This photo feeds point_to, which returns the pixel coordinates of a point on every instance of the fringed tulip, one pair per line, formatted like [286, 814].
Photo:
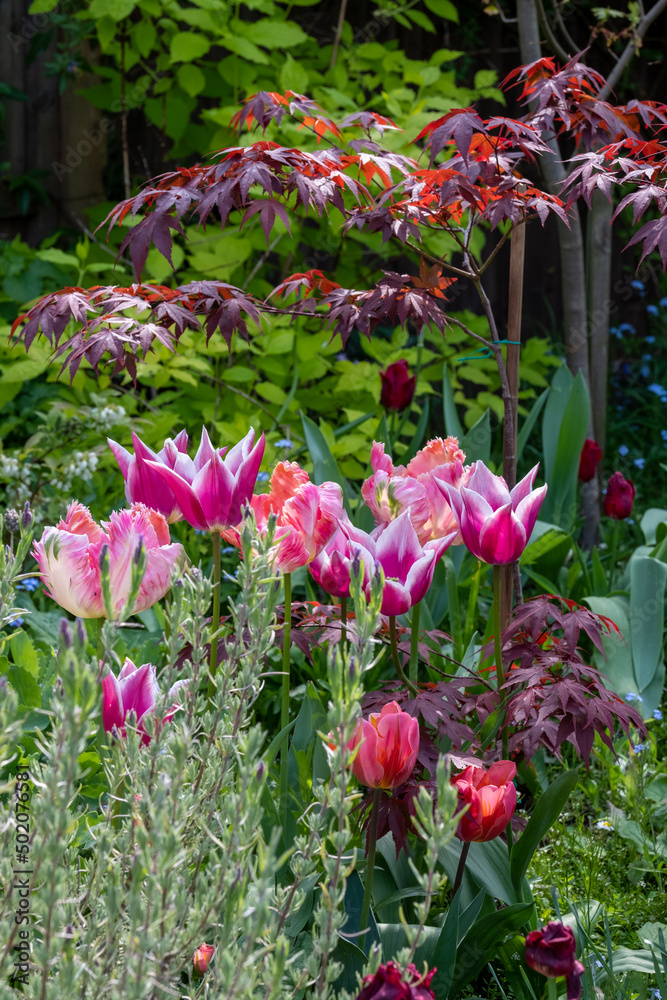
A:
[391, 982]
[307, 515]
[591, 454]
[619, 497]
[495, 523]
[551, 950]
[389, 745]
[134, 690]
[491, 796]
[408, 566]
[398, 386]
[212, 490]
[143, 484]
[69, 557]
[202, 958]
[332, 567]
[394, 489]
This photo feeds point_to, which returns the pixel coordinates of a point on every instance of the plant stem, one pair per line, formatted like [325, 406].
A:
[472, 607]
[497, 627]
[343, 624]
[284, 705]
[614, 548]
[454, 607]
[100, 644]
[552, 989]
[215, 621]
[414, 643]
[397, 661]
[461, 867]
[370, 863]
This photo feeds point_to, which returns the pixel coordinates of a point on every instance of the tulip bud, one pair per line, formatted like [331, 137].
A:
[11, 521]
[390, 982]
[202, 957]
[591, 454]
[491, 797]
[398, 386]
[619, 497]
[26, 516]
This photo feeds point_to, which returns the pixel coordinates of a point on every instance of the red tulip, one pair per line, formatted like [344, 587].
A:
[134, 690]
[491, 796]
[591, 454]
[390, 982]
[202, 957]
[619, 497]
[552, 951]
[398, 386]
[389, 746]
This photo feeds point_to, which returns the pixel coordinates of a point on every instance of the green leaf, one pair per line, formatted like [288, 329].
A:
[600, 584]
[186, 46]
[488, 864]
[144, 35]
[444, 953]
[275, 34]
[24, 653]
[293, 76]
[562, 465]
[25, 685]
[443, 8]
[118, 10]
[452, 423]
[191, 79]
[529, 423]
[647, 594]
[244, 48]
[492, 724]
[480, 943]
[650, 521]
[276, 743]
[325, 467]
[476, 442]
[544, 815]
[418, 436]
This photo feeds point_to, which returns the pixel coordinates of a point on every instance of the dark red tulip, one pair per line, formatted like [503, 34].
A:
[552, 952]
[398, 386]
[591, 454]
[619, 497]
[389, 983]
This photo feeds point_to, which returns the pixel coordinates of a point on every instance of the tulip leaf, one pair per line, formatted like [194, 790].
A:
[652, 518]
[482, 940]
[529, 423]
[546, 812]
[354, 898]
[394, 938]
[325, 466]
[353, 960]
[487, 864]
[564, 430]
[647, 595]
[476, 443]
[444, 953]
[491, 726]
[276, 743]
[452, 423]
[299, 915]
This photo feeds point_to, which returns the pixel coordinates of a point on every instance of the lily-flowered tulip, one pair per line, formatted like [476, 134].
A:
[591, 454]
[408, 566]
[491, 796]
[389, 745]
[307, 515]
[619, 497]
[393, 489]
[332, 567]
[135, 689]
[143, 484]
[69, 559]
[390, 982]
[212, 490]
[495, 523]
[398, 386]
[551, 950]
[202, 957]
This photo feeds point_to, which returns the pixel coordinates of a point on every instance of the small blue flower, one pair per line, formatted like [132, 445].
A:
[627, 328]
[623, 450]
[655, 994]
[650, 340]
[657, 714]
[32, 583]
[262, 477]
[663, 303]
[659, 390]
[663, 435]
[637, 285]
[640, 747]
[615, 332]
[17, 621]
[633, 696]
[606, 824]
[645, 371]
[640, 462]
[228, 549]
[284, 443]
[652, 310]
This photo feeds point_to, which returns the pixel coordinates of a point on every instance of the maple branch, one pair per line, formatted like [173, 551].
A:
[436, 260]
[496, 250]
[339, 32]
[476, 336]
[553, 41]
[629, 50]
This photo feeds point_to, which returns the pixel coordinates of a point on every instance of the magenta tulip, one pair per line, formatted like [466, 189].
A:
[398, 386]
[408, 566]
[551, 950]
[619, 497]
[212, 491]
[391, 982]
[135, 689]
[332, 567]
[388, 745]
[143, 484]
[69, 559]
[495, 523]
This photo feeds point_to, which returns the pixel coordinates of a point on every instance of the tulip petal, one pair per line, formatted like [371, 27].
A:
[213, 486]
[205, 451]
[476, 512]
[139, 690]
[492, 488]
[365, 766]
[398, 547]
[245, 480]
[502, 538]
[185, 496]
[529, 508]
[112, 704]
[523, 488]
[121, 455]
[69, 572]
[239, 453]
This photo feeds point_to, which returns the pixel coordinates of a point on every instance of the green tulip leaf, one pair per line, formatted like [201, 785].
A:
[546, 812]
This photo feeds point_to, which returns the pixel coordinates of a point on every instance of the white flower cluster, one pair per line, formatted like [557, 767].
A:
[81, 466]
[106, 417]
[10, 467]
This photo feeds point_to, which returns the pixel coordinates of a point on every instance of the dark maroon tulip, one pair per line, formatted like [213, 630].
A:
[552, 951]
[619, 497]
[389, 983]
[398, 386]
[591, 454]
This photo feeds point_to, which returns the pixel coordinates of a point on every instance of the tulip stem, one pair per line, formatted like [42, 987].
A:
[100, 644]
[497, 627]
[552, 989]
[370, 863]
[343, 624]
[215, 621]
[284, 705]
[397, 660]
[414, 643]
[461, 867]
[614, 549]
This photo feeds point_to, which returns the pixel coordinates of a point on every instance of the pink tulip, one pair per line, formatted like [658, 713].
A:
[408, 566]
[307, 515]
[212, 491]
[389, 746]
[143, 484]
[491, 796]
[135, 689]
[332, 567]
[202, 958]
[495, 523]
[394, 489]
[69, 559]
